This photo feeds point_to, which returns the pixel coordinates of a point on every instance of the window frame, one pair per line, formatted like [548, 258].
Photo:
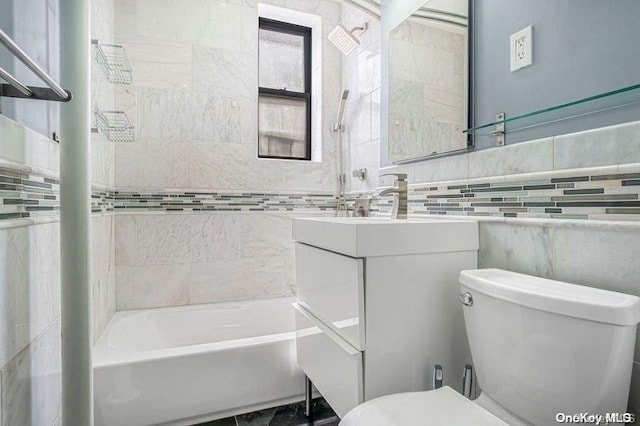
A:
[305, 33]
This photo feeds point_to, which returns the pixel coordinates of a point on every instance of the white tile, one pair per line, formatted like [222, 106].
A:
[126, 17]
[152, 164]
[219, 281]
[598, 258]
[126, 100]
[234, 166]
[31, 382]
[526, 157]
[102, 159]
[163, 239]
[524, 249]
[152, 286]
[443, 168]
[215, 24]
[225, 73]
[23, 145]
[257, 278]
[102, 272]
[175, 115]
[375, 114]
[358, 120]
[214, 237]
[618, 144]
[306, 175]
[126, 240]
[163, 75]
[29, 285]
[102, 20]
[265, 234]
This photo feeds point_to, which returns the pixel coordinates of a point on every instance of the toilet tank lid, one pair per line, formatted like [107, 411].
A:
[557, 297]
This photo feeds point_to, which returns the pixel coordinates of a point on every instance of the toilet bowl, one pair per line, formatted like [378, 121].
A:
[540, 347]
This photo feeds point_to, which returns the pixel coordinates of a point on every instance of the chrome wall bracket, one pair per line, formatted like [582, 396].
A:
[37, 93]
[499, 132]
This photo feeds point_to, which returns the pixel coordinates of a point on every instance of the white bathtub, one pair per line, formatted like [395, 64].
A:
[184, 365]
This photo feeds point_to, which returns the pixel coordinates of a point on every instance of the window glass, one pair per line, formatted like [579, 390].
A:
[283, 124]
[281, 61]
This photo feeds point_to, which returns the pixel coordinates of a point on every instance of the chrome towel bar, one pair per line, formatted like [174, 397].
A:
[18, 90]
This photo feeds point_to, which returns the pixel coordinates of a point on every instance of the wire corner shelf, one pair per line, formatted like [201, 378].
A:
[113, 60]
[114, 125]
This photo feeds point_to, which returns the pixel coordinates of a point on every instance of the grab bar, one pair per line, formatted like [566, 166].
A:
[11, 45]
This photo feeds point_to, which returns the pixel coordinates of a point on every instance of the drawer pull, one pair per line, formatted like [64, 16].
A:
[326, 330]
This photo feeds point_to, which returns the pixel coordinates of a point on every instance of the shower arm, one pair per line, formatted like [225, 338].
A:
[362, 28]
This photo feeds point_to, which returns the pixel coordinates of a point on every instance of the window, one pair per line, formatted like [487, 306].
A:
[284, 92]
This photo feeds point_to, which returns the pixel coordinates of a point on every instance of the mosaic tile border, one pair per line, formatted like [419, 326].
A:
[598, 196]
[196, 201]
[26, 195]
[606, 196]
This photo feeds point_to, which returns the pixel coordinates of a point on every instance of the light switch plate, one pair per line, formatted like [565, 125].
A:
[522, 48]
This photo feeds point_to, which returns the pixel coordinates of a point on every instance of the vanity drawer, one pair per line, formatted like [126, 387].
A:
[332, 364]
[331, 287]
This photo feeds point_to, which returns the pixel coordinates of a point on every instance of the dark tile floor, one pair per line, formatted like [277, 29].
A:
[287, 415]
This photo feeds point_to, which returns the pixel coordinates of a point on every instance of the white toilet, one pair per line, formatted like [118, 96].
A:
[539, 347]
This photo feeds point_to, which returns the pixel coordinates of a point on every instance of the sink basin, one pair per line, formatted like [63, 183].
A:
[372, 236]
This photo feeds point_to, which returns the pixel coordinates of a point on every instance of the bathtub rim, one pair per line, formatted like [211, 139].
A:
[104, 356]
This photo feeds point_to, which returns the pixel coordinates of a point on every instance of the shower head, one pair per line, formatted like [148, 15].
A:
[344, 39]
[338, 126]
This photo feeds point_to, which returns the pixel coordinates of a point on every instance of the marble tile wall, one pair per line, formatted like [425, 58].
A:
[194, 104]
[194, 98]
[612, 145]
[361, 76]
[171, 259]
[103, 96]
[30, 385]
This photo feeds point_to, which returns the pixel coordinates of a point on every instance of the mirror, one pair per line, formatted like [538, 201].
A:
[428, 88]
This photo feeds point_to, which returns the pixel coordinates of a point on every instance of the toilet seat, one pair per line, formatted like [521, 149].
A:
[440, 407]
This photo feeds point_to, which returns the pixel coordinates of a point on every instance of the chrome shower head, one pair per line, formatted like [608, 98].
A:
[344, 39]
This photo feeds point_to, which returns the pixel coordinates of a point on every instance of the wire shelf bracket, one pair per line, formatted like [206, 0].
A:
[113, 60]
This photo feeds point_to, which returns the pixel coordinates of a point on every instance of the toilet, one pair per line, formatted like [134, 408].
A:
[541, 348]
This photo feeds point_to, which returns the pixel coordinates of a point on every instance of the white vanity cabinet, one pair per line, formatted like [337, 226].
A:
[374, 315]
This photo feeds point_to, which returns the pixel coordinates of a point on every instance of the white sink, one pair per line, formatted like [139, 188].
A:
[371, 236]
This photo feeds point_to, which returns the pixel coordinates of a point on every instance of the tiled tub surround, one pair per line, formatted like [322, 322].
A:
[191, 257]
[194, 99]
[361, 76]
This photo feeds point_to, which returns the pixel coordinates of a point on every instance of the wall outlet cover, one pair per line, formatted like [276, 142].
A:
[521, 47]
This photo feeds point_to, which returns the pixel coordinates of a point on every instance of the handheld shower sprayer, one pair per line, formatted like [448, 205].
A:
[338, 126]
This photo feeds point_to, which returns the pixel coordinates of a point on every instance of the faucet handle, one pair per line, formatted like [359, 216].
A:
[400, 176]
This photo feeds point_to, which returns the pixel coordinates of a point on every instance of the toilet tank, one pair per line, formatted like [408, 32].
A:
[542, 347]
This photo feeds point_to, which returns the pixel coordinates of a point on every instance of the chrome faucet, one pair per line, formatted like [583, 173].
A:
[399, 192]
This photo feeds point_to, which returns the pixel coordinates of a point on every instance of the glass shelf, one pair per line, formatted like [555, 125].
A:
[622, 101]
